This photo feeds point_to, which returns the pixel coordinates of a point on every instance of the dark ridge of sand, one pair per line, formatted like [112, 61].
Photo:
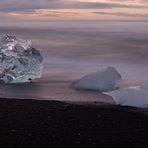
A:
[53, 124]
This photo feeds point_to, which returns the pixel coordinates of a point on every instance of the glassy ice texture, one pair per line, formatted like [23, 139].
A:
[19, 61]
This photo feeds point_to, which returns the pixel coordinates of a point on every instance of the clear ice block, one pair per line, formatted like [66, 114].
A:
[19, 61]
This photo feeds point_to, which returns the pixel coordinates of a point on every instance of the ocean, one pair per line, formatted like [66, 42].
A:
[73, 49]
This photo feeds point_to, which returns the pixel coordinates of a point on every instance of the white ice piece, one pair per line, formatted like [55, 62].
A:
[134, 96]
[105, 80]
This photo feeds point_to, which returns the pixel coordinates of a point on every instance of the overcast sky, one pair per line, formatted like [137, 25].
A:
[47, 10]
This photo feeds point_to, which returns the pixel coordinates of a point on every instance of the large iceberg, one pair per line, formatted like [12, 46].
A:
[19, 61]
[105, 80]
[132, 96]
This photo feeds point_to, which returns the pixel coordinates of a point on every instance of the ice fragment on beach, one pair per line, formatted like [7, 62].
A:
[19, 61]
[131, 96]
[105, 80]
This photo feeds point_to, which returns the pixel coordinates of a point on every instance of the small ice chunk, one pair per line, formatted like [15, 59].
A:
[105, 80]
[19, 61]
[134, 96]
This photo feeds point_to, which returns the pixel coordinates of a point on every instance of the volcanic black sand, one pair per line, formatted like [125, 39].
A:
[52, 124]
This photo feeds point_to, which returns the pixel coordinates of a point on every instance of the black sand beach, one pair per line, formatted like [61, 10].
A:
[53, 124]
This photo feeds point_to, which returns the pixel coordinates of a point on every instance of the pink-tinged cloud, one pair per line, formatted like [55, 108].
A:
[126, 1]
[55, 9]
[28, 5]
[123, 14]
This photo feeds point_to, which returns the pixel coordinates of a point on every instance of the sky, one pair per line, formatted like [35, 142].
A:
[48, 10]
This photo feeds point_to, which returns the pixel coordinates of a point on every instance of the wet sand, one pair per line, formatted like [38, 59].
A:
[44, 124]
[52, 90]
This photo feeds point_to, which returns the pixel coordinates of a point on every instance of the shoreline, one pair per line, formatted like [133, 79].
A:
[35, 123]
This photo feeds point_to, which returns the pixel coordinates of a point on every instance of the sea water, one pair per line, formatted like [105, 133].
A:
[73, 49]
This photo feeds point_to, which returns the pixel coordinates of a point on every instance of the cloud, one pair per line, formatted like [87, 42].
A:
[30, 6]
[58, 13]
[125, 1]
[123, 14]
[64, 9]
